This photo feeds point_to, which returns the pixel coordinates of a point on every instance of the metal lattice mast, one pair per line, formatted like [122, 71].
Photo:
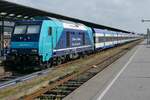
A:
[148, 36]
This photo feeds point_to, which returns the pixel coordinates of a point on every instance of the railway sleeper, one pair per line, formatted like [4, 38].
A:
[59, 97]
[51, 97]
[55, 92]
[83, 79]
[91, 74]
[68, 84]
[55, 95]
[67, 88]
[77, 81]
[74, 82]
[46, 97]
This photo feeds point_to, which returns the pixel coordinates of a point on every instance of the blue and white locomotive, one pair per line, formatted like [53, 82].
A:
[44, 42]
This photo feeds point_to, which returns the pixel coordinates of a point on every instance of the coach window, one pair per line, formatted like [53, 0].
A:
[116, 38]
[83, 38]
[107, 39]
[113, 38]
[110, 39]
[104, 39]
[97, 39]
[68, 39]
[100, 39]
[20, 29]
[50, 31]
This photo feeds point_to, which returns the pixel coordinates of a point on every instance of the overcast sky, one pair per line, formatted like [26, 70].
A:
[122, 14]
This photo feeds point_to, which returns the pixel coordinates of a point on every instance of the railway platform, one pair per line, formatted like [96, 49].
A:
[126, 79]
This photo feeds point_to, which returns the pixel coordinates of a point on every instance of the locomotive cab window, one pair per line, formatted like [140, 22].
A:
[33, 29]
[21, 29]
[50, 31]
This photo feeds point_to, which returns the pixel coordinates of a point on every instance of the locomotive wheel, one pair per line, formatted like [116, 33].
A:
[49, 64]
[59, 60]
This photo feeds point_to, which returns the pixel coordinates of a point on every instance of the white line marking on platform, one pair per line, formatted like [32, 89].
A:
[113, 81]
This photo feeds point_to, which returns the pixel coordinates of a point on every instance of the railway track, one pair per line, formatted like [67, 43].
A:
[13, 79]
[5, 75]
[61, 86]
[64, 85]
[67, 87]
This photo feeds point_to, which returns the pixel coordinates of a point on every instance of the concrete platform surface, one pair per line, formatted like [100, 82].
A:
[126, 79]
[2, 70]
[134, 82]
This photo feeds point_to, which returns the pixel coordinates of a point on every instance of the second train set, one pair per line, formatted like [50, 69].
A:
[43, 42]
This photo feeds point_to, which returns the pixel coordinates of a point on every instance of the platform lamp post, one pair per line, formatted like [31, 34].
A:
[148, 32]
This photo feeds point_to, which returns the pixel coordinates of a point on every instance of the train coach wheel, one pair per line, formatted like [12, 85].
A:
[63, 58]
[82, 55]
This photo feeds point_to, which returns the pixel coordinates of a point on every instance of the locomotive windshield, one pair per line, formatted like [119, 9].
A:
[33, 29]
[20, 29]
[27, 29]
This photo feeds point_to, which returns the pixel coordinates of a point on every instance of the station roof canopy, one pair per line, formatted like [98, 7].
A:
[13, 11]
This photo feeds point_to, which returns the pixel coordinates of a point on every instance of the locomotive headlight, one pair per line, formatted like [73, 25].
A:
[34, 50]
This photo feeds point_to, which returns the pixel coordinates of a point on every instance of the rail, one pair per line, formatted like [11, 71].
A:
[25, 78]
